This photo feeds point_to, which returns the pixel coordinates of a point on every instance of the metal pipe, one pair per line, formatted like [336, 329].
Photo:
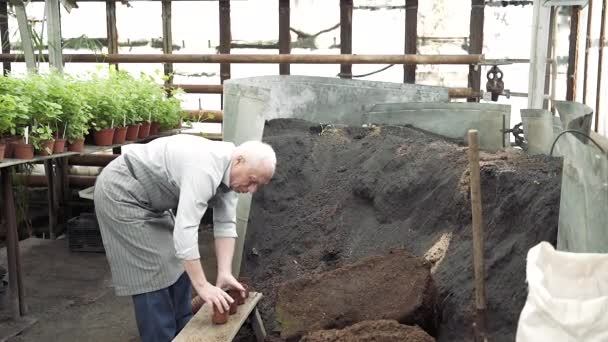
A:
[258, 58]
[600, 66]
[112, 30]
[587, 48]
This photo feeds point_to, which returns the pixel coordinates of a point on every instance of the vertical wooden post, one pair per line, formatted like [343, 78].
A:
[476, 44]
[167, 39]
[54, 27]
[549, 66]
[284, 34]
[25, 34]
[346, 35]
[572, 72]
[5, 35]
[52, 199]
[411, 37]
[112, 30]
[587, 49]
[478, 243]
[225, 40]
[601, 45]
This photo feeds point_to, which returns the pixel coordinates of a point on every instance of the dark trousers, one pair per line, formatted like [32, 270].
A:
[162, 314]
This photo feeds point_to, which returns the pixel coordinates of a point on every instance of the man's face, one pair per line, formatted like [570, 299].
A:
[245, 179]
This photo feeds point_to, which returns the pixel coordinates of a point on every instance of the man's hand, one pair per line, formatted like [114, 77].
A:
[215, 295]
[227, 280]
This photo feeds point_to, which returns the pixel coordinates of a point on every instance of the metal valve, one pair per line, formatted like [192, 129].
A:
[495, 84]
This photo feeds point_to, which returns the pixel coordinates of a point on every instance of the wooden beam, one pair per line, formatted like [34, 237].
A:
[346, 35]
[112, 30]
[25, 34]
[54, 35]
[167, 39]
[602, 44]
[262, 58]
[284, 34]
[5, 35]
[225, 39]
[587, 49]
[411, 38]
[92, 159]
[572, 72]
[476, 44]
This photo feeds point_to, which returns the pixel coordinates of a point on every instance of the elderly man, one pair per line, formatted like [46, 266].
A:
[149, 244]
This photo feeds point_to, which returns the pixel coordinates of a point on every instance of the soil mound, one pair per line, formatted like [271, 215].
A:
[371, 331]
[341, 194]
[396, 286]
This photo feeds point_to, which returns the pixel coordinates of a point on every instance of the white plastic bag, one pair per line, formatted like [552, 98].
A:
[567, 297]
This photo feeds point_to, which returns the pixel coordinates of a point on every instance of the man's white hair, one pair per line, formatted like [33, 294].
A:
[258, 154]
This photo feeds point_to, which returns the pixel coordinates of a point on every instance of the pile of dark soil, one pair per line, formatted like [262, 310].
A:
[371, 331]
[342, 194]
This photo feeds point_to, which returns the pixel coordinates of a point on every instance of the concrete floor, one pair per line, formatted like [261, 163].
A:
[69, 295]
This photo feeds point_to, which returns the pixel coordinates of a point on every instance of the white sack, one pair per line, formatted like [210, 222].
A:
[567, 297]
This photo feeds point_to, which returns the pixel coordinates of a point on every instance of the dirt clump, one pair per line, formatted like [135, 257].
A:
[371, 331]
[396, 286]
[345, 193]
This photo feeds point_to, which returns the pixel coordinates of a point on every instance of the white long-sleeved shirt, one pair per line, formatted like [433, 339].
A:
[192, 174]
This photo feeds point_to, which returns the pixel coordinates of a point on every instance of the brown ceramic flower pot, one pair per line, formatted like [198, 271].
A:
[144, 130]
[154, 128]
[76, 146]
[46, 147]
[2, 149]
[23, 151]
[196, 303]
[236, 296]
[104, 137]
[219, 318]
[120, 135]
[59, 146]
[10, 142]
[132, 132]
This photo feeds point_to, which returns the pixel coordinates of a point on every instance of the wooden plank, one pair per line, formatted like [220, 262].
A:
[346, 35]
[5, 34]
[54, 35]
[587, 48]
[52, 200]
[258, 326]
[411, 38]
[476, 44]
[200, 328]
[24, 33]
[284, 34]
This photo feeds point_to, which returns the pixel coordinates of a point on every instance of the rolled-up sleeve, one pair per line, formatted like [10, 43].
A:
[224, 215]
[196, 188]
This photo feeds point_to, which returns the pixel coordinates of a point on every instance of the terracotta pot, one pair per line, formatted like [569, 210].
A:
[219, 318]
[76, 146]
[120, 135]
[23, 151]
[10, 142]
[46, 148]
[154, 128]
[236, 295]
[104, 137]
[196, 303]
[59, 146]
[144, 130]
[2, 149]
[132, 132]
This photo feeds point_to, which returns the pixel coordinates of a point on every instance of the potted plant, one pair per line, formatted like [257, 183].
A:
[13, 110]
[103, 106]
